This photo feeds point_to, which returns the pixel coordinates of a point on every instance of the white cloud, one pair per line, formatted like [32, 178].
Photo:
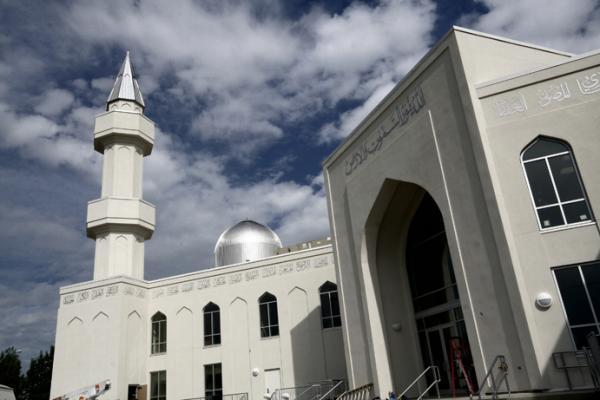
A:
[566, 25]
[54, 102]
[253, 72]
[197, 200]
[42, 139]
[350, 119]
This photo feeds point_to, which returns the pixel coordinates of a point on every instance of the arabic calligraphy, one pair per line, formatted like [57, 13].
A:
[589, 84]
[401, 114]
[511, 105]
[553, 93]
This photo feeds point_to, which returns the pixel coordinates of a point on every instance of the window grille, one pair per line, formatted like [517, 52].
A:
[330, 306]
[212, 324]
[159, 334]
[269, 320]
[556, 188]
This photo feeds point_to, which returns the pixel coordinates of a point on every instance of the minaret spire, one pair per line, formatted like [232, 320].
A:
[126, 86]
[120, 221]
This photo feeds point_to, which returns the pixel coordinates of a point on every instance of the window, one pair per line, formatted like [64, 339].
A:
[330, 306]
[159, 334]
[554, 183]
[212, 324]
[158, 385]
[579, 288]
[269, 321]
[213, 382]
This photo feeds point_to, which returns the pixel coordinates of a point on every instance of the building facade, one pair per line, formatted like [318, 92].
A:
[265, 318]
[462, 213]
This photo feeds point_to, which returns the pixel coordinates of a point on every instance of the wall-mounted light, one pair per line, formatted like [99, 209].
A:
[543, 300]
[255, 372]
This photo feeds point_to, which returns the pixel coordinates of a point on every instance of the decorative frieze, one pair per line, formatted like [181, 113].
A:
[251, 275]
[286, 268]
[268, 271]
[235, 278]
[203, 284]
[545, 94]
[589, 84]
[510, 105]
[200, 284]
[173, 289]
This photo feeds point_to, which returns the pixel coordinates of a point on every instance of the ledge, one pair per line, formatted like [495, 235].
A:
[120, 214]
[120, 126]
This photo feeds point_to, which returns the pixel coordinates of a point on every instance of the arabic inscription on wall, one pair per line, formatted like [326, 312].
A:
[401, 113]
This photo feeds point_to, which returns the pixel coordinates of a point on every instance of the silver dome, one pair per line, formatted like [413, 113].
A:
[245, 241]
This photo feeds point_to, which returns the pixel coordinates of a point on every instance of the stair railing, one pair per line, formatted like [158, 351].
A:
[496, 381]
[360, 393]
[332, 393]
[436, 380]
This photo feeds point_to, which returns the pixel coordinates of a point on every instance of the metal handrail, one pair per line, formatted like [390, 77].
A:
[436, 380]
[240, 396]
[359, 393]
[503, 367]
[277, 394]
[330, 391]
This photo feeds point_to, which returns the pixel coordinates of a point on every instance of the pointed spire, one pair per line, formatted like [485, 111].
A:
[126, 86]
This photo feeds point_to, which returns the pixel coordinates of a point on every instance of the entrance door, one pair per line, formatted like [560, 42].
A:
[272, 380]
[435, 297]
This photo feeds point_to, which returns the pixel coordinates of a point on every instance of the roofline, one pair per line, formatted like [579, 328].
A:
[512, 41]
[409, 77]
[242, 264]
[146, 284]
[485, 89]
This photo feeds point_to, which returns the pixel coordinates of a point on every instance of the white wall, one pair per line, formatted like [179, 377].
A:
[109, 331]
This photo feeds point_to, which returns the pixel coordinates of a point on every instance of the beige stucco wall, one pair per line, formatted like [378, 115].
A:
[450, 148]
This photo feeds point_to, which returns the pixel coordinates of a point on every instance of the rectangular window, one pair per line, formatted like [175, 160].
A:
[158, 385]
[213, 382]
[579, 288]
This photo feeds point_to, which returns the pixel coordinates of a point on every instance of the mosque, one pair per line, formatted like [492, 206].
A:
[463, 244]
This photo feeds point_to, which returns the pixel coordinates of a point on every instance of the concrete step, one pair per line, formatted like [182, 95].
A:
[568, 395]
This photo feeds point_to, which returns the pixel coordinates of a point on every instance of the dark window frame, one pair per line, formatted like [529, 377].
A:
[267, 307]
[212, 330]
[213, 390]
[329, 297]
[160, 394]
[592, 306]
[544, 161]
[158, 333]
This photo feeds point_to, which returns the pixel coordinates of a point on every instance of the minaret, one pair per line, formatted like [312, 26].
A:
[121, 221]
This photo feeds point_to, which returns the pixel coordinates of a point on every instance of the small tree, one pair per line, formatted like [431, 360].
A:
[39, 376]
[10, 370]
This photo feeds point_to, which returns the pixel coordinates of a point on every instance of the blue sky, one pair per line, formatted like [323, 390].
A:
[248, 96]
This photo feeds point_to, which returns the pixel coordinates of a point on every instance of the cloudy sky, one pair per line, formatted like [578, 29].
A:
[248, 97]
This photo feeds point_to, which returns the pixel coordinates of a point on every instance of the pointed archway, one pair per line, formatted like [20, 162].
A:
[415, 285]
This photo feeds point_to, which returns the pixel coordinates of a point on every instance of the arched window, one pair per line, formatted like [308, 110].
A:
[330, 306]
[159, 333]
[269, 320]
[212, 324]
[556, 188]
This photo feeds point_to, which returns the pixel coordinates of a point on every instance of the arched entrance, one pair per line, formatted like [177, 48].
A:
[436, 304]
[414, 285]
